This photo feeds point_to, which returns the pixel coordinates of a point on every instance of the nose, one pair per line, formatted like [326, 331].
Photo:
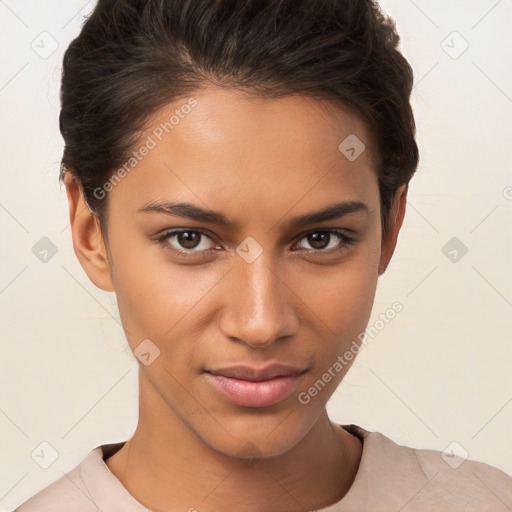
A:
[258, 305]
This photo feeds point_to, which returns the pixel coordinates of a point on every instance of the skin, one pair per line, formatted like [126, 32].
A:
[261, 162]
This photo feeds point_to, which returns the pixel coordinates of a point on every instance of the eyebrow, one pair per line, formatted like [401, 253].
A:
[191, 211]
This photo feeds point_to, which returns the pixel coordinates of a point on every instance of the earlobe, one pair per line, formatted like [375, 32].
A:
[395, 220]
[87, 238]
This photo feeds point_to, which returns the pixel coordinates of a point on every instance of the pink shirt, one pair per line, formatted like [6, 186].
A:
[390, 478]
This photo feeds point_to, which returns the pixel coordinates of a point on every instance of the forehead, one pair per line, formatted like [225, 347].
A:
[231, 147]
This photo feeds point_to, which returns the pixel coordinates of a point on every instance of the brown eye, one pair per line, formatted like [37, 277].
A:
[327, 241]
[187, 242]
[318, 240]
[188, 239]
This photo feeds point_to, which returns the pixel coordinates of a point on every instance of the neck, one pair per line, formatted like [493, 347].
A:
[168, 467]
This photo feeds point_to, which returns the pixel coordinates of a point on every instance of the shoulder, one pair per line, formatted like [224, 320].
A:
[478, 484]
[422, 479]
[67, 493]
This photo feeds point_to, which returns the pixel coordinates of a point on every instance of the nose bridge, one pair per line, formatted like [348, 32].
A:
[258, 311]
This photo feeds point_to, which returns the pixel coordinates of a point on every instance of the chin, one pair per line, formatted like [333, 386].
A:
[252, 437]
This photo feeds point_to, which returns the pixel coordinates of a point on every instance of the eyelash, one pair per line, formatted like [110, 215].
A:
[342, 236]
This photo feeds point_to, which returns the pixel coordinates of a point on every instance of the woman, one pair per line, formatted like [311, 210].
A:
[237, 174]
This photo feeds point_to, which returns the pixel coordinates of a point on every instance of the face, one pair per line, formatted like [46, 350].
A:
[266, 286]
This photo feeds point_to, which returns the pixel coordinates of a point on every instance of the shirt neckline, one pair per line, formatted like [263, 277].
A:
[108, 493]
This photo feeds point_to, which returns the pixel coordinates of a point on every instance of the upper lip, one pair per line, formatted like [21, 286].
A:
[250, 373]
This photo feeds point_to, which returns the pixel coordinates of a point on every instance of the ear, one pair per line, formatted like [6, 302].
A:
[88, 241]
[394, 224]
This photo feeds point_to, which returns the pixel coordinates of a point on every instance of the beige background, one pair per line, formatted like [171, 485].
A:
[439, 372]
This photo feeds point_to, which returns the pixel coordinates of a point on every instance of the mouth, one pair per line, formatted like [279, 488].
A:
[251, 387]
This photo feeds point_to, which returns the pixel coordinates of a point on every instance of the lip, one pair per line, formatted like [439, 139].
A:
[255, 387]
[247, 372]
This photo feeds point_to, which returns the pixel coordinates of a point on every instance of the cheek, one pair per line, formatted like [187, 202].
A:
[342, 296]
[154, 295]
[341, 303]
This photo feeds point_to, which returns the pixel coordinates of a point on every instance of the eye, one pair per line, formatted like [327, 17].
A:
[194, 242]
[187, 242]
[328, 241]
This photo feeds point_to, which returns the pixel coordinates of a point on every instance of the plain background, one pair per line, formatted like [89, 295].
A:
[438, 373]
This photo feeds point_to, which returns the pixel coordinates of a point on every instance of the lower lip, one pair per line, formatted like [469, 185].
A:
[254, 394]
